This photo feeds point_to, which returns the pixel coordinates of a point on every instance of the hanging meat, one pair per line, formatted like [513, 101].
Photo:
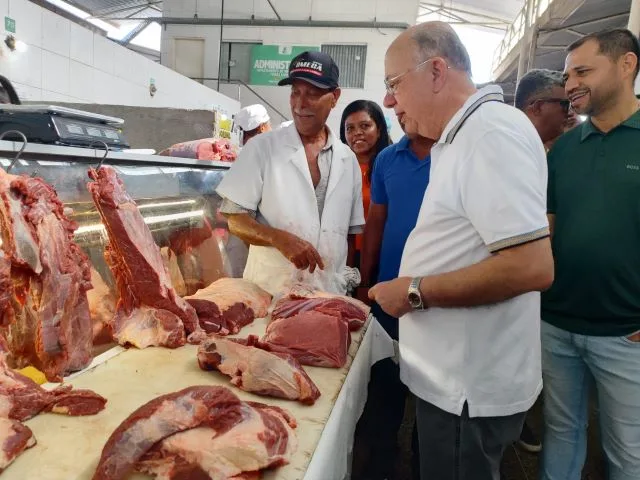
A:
[256, 370]
[228, 304]
[21, 399]
[44, 276]
[199, 432]
[304, 299]
[149, 311]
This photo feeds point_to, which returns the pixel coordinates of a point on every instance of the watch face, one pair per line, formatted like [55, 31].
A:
[414, 300]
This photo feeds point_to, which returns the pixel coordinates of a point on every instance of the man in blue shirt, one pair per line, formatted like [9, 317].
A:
[399, 181]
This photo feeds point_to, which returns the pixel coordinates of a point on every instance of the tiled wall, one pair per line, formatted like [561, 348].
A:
[65, 62]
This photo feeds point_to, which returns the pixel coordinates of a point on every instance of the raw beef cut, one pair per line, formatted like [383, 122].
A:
[199, 432]
[46, 321]
[21, 398]
[255, 370]
[146, 295]
[15, 438]
[102, 308]
[228, 304]
[313, 338]
[171, 264]
[303, 299]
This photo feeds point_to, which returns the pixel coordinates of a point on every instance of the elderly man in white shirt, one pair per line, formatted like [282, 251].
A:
[472, 269]
[295, 194]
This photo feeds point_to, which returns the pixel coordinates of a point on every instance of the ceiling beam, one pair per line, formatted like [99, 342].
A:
[468, 12]
[124, 41]
[267, 22]
[585, 24]
[274, 10]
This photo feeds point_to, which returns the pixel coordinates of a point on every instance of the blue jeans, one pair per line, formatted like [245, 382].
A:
[569, 362]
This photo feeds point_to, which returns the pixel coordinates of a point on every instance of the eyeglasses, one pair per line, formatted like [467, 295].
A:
[564, 103]
[392, 83]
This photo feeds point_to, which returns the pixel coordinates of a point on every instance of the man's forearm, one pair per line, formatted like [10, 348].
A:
[504, 275]
[371, 245]
[251, 231]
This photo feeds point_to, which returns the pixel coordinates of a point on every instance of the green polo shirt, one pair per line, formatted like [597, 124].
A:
[594, 192]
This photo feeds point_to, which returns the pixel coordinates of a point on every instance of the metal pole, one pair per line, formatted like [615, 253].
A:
[524, 42]
[220, 45]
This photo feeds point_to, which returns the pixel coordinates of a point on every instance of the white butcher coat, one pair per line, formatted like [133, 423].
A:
[271, 176]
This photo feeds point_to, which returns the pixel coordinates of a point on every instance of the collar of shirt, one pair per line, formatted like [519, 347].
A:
[488, 90]
[403, 144]
[588, 128]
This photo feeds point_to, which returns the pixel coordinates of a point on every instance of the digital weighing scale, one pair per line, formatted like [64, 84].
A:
[55, 125]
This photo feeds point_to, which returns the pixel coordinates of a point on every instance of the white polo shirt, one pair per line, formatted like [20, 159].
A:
[487, 191]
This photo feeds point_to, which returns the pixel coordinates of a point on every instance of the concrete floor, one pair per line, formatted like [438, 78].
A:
[517, 464]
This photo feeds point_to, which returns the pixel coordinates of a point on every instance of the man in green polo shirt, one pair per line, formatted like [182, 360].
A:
[591, 314]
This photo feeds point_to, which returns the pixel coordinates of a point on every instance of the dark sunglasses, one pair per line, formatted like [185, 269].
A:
[564, 103]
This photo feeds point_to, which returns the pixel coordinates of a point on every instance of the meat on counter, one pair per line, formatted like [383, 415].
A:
[44, 276]
[229, 304]
[256, 370]
[21, 399]
[303, 299]
[149, 311]
[313, 338]
[198, 432]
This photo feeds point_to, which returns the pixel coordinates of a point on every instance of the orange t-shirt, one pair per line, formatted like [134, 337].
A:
[366, 198]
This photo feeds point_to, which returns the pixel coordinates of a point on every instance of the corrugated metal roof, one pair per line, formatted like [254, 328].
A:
[123, 8]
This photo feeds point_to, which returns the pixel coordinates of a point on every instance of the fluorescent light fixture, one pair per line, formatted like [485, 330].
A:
[98, 227]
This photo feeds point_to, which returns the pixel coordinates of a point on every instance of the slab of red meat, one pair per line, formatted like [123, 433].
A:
[136, 264]
[228, 304]
[139, 442]
[263, 439]
[303, 299]
[21, 398]
[15, 438]
[313, 338]
[256, 370]
[48, 323]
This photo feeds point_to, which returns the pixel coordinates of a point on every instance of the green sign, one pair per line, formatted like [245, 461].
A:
[270, 63]
[9, 24]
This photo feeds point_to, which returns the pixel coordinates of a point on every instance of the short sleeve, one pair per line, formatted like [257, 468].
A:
[378, 188]
[551, 183]
[242, 183]
[503, 189]
[357, 207]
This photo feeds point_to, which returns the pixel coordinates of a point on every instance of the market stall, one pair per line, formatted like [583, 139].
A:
[177, 199]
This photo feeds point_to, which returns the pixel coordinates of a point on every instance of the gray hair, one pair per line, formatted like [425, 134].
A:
[535, 83]
[439, 39]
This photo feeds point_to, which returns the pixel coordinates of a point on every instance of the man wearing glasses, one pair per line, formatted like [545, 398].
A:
[540, 95]
[468, 289]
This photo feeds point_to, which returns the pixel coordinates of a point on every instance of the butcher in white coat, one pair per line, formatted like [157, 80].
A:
[295, 194]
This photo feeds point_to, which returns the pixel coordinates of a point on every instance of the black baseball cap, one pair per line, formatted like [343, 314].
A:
[317, 68]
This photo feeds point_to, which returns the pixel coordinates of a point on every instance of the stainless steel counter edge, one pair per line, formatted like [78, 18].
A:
[36, 151]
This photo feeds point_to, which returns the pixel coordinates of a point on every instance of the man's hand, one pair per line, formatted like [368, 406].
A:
[392, 296]
[299, 252]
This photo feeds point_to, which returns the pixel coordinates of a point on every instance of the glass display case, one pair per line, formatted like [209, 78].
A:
[175, 196]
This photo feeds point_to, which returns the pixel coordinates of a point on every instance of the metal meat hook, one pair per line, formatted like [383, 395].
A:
[106, 151]
[24, 145]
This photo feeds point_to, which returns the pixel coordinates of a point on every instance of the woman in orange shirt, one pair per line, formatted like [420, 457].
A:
[364, 129]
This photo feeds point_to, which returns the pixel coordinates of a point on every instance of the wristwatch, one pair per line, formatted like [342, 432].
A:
[414, 296]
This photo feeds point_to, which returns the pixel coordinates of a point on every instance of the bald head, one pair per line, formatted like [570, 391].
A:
[435, 39]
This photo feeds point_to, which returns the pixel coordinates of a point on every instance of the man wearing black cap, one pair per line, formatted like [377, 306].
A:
[295, 194]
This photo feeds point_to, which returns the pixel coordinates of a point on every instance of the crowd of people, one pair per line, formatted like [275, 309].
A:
[496, 244]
